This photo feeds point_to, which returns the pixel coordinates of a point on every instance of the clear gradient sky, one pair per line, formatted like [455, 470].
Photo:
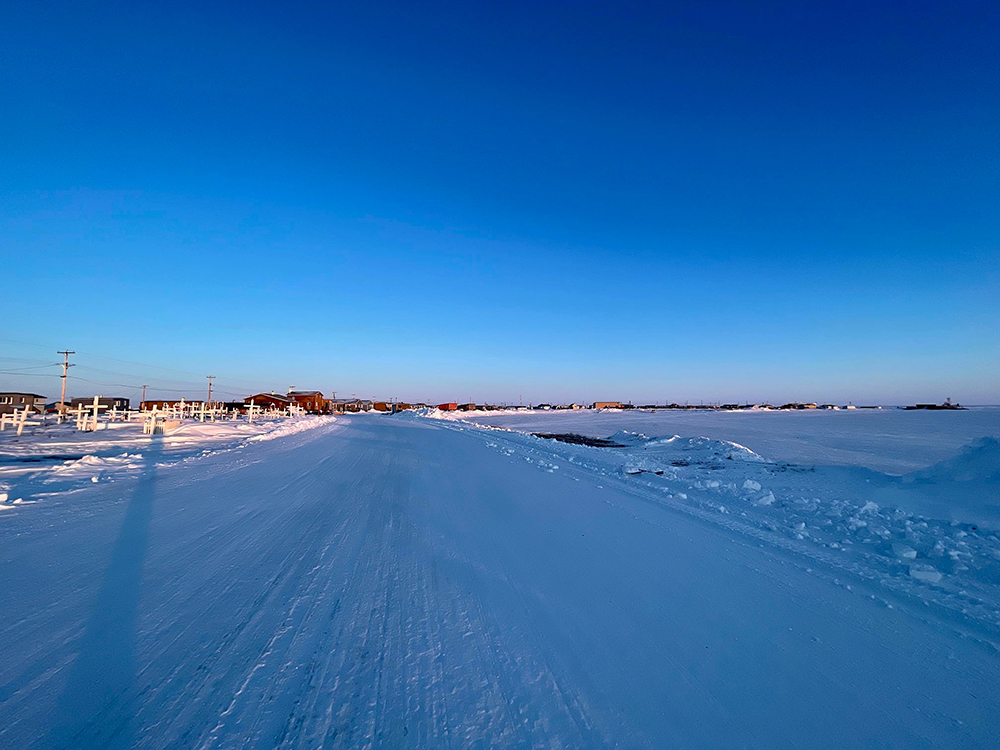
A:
[558, 201]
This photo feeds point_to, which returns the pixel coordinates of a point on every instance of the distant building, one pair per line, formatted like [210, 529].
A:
[348, 405]
[14, 401]
[544, 407]
[607, 405]
[450, 406]
[109, 402]
[946, 406]
[466, 407]
[382, 406]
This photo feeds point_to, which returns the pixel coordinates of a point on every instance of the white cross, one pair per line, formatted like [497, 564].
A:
[18, 419]
[80, 416]
[88, 422]
[149, 426]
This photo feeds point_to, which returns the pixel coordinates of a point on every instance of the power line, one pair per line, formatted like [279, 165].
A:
[243, 384]
[36, 367]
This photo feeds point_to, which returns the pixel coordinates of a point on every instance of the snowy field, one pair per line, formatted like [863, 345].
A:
[942, 465]
[888, 440]
[52, 458]
[759, 580]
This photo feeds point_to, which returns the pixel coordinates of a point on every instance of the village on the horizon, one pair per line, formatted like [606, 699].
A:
[314, 402]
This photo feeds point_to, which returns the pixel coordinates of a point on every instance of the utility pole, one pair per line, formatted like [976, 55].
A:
[143, 397]
[62, 398]
[210, 379]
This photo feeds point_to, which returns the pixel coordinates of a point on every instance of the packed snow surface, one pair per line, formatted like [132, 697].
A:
[422, 582]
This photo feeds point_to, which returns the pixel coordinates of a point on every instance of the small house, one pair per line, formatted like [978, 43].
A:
[348, 405]
[15, 401]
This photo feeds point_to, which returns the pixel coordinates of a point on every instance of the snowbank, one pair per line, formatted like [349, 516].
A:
[965, 488]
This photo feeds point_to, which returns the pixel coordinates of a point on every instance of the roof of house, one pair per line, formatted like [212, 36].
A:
[20, 393]
[304, 393]
[274, 396]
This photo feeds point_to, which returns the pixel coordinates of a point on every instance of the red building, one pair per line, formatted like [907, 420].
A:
[447, 407]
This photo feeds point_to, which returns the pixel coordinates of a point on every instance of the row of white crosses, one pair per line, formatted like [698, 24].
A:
[212, 413]
[202, 411]
[123, 415]
[17, 420]
[86, 415]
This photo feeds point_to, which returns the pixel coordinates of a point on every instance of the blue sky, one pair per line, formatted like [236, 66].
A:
[570, 202]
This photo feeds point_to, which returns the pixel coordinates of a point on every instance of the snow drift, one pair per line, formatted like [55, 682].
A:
[965, 488]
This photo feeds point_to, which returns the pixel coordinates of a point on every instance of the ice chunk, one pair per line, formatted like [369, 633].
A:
[903, 551]
[927, 573]
[768, 499]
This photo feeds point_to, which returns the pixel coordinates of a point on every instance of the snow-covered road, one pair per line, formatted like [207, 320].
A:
[402, 583]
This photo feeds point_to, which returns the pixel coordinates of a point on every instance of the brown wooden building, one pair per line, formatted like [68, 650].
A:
[312, 401]
[269, 400]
